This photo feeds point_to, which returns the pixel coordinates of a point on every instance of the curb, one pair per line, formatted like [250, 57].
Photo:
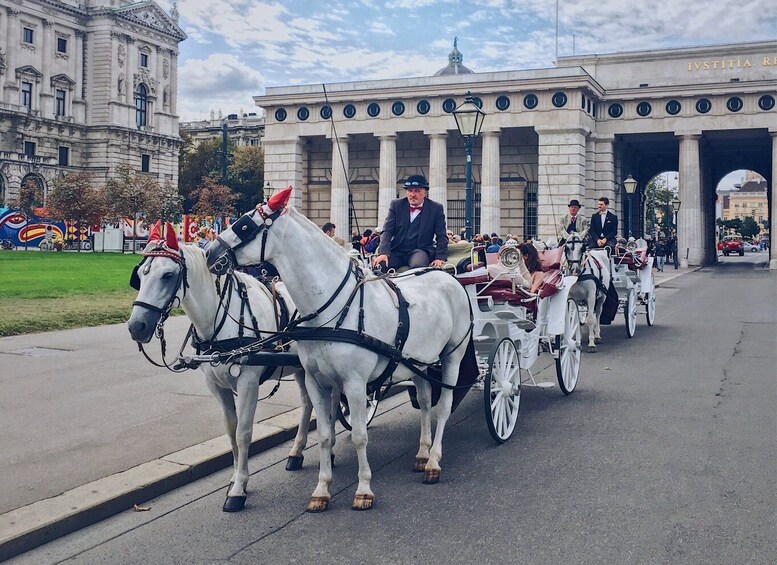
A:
[38, 523]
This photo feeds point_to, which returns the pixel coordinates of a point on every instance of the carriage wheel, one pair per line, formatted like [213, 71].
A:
[650, 310]
[630, 312]
[502, 390]
[568, 347]
[344, 411]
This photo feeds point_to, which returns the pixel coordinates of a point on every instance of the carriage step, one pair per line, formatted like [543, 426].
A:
[543, 384]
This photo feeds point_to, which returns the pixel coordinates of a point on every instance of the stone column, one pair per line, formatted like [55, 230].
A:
[283, 164]
[438, 168]
[338, 212]
[690, 227]
[490, 220]
[48, 55]
[773, 213]
[604, 176]
[13, 32]
[174, 82]
[561, 172]
[78, 55]
[387, 181]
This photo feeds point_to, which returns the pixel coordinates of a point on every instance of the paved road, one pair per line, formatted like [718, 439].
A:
[665, 453]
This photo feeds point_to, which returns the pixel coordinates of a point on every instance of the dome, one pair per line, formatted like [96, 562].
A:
[455, 59]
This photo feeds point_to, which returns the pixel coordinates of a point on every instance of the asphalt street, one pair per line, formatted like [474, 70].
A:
[665, 453]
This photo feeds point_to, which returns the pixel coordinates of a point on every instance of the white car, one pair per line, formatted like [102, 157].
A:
[750, 247]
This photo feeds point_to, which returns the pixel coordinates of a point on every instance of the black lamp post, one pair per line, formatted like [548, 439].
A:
[630, 185]
[676, 207]
[469, 120]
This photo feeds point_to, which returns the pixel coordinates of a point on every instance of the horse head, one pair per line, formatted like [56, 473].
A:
[159, 278]
[574, 253]
[231, 248]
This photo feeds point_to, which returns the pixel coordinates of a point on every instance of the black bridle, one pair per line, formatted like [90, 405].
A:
[246, 230]
[575, 265]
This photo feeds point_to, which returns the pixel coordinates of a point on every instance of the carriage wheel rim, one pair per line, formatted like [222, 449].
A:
[631, 313]
[504, 374]
[651, 309]
[569, 349]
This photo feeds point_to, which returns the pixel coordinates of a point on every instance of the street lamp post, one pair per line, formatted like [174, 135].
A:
[469, 120]
[676, 207]
[630, 185]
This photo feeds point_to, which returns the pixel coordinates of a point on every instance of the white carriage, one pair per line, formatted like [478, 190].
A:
[512, 327]
[632, 277]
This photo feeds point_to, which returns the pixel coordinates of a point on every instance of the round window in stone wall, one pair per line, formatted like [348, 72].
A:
[303, 114]
[398, 108]
[644, 108]
[449, 105]
[673, 107]
[703, 105]
[615, 110]
[502, 103]
[477, 101]
[766, 102]
[734, 104]
[423, 107]
[349, 111]
[373, 110]
[280, 114]
[530, 101]
[559, 99]
[326, 112]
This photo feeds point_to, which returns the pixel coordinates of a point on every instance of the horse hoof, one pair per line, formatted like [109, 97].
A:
[234, 503]
[420, 464]
[363, 501]
[318, 504]
[591, 349]
[597, 340]
[431, 476]
[294, 463]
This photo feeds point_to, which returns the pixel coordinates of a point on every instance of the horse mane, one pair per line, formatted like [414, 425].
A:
[311, 227]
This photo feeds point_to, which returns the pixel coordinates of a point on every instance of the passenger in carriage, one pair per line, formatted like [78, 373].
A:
[414, 233]
[529, 274]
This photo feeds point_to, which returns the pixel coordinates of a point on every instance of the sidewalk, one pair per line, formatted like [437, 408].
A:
[91, 428]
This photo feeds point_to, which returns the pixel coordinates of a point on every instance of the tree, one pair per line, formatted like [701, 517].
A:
[128, 194]
[194, 165]
[168, 207]
[30, 197]
[749, 228]
[214, 199]
[246, 177]
[74, 198]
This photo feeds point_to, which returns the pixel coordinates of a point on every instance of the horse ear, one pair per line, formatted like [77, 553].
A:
[280, 200]
[171, 238]
[156, 232]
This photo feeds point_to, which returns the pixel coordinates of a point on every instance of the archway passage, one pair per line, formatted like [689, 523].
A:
[742, 210]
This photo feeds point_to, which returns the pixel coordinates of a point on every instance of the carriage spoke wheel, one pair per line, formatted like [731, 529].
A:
[344, 411]
[568, 347]
[502, 390]
[630, 312]
[650, 310]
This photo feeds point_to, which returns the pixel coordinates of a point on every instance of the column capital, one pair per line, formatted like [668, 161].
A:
[436, 134]
[491, 133]
[773, 132]
[11, 12]
[688, 134]
[386, 136]
[549, 129]
[341, 138]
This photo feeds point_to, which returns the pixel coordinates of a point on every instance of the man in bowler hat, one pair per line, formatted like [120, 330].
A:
[414, 232]
[572, 222]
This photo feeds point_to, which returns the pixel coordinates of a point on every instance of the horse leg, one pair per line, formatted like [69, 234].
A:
[450, 373]
[598, 326]
[356, 392]
[321, 398]
[424, 397]
[296, 457]
[592, 321]
[227, 402]
[247, 392]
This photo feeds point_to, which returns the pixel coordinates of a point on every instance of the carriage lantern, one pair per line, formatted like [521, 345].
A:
[469, 119]
[630, 185]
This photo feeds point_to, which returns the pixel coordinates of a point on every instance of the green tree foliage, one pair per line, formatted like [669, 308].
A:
[168, 207]
[195, 164]
[131, 195]
[30, 197]
[214, 199]
[750, 228]
[729, 226]
[246, 177]
[75, 199]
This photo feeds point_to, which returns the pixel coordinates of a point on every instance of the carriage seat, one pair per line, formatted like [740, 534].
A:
[634, 260]
[501, 291]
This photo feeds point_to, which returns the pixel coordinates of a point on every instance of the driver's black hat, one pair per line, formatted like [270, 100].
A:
[574, 202]
[416, 181]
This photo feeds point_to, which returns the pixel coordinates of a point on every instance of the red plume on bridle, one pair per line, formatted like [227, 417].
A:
[171, 238]
[280, 200]
[156, 232]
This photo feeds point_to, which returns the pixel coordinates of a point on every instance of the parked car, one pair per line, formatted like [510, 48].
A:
[733, 244]
[751, 247]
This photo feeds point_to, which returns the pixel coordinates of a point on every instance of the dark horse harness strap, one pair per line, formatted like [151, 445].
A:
[597, 280]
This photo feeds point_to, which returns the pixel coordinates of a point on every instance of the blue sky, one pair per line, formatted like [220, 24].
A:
[238, 47]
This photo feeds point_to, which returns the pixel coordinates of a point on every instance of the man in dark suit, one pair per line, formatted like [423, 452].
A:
[604, 226]
[414, 233]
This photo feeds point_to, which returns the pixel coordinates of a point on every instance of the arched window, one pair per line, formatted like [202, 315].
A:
[141, 105]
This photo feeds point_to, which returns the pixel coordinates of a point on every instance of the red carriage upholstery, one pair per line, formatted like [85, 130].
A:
[551, 258]
[634, 260]
[501, 290]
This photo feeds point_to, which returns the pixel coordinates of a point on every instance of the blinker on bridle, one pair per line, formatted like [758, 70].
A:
[246, 230]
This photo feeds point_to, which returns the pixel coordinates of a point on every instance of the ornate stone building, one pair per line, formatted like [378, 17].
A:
[86, 85]
[574, 131]
[246, 130]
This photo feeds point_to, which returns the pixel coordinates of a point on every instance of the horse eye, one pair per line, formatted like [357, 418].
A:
[167, 276]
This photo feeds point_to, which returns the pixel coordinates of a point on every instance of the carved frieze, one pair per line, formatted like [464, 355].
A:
[144, 76]
[121, 54]
[166, 68]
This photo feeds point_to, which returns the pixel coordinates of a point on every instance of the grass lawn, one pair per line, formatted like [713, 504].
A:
[54, 291]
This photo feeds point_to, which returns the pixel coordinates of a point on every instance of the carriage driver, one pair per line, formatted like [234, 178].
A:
[414, 232]
[570, 223]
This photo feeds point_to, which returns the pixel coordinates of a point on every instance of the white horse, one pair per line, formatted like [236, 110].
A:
[320, 279]
[168, 274]
[592, 266]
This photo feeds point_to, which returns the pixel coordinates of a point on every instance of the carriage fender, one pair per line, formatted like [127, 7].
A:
[558, 307]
